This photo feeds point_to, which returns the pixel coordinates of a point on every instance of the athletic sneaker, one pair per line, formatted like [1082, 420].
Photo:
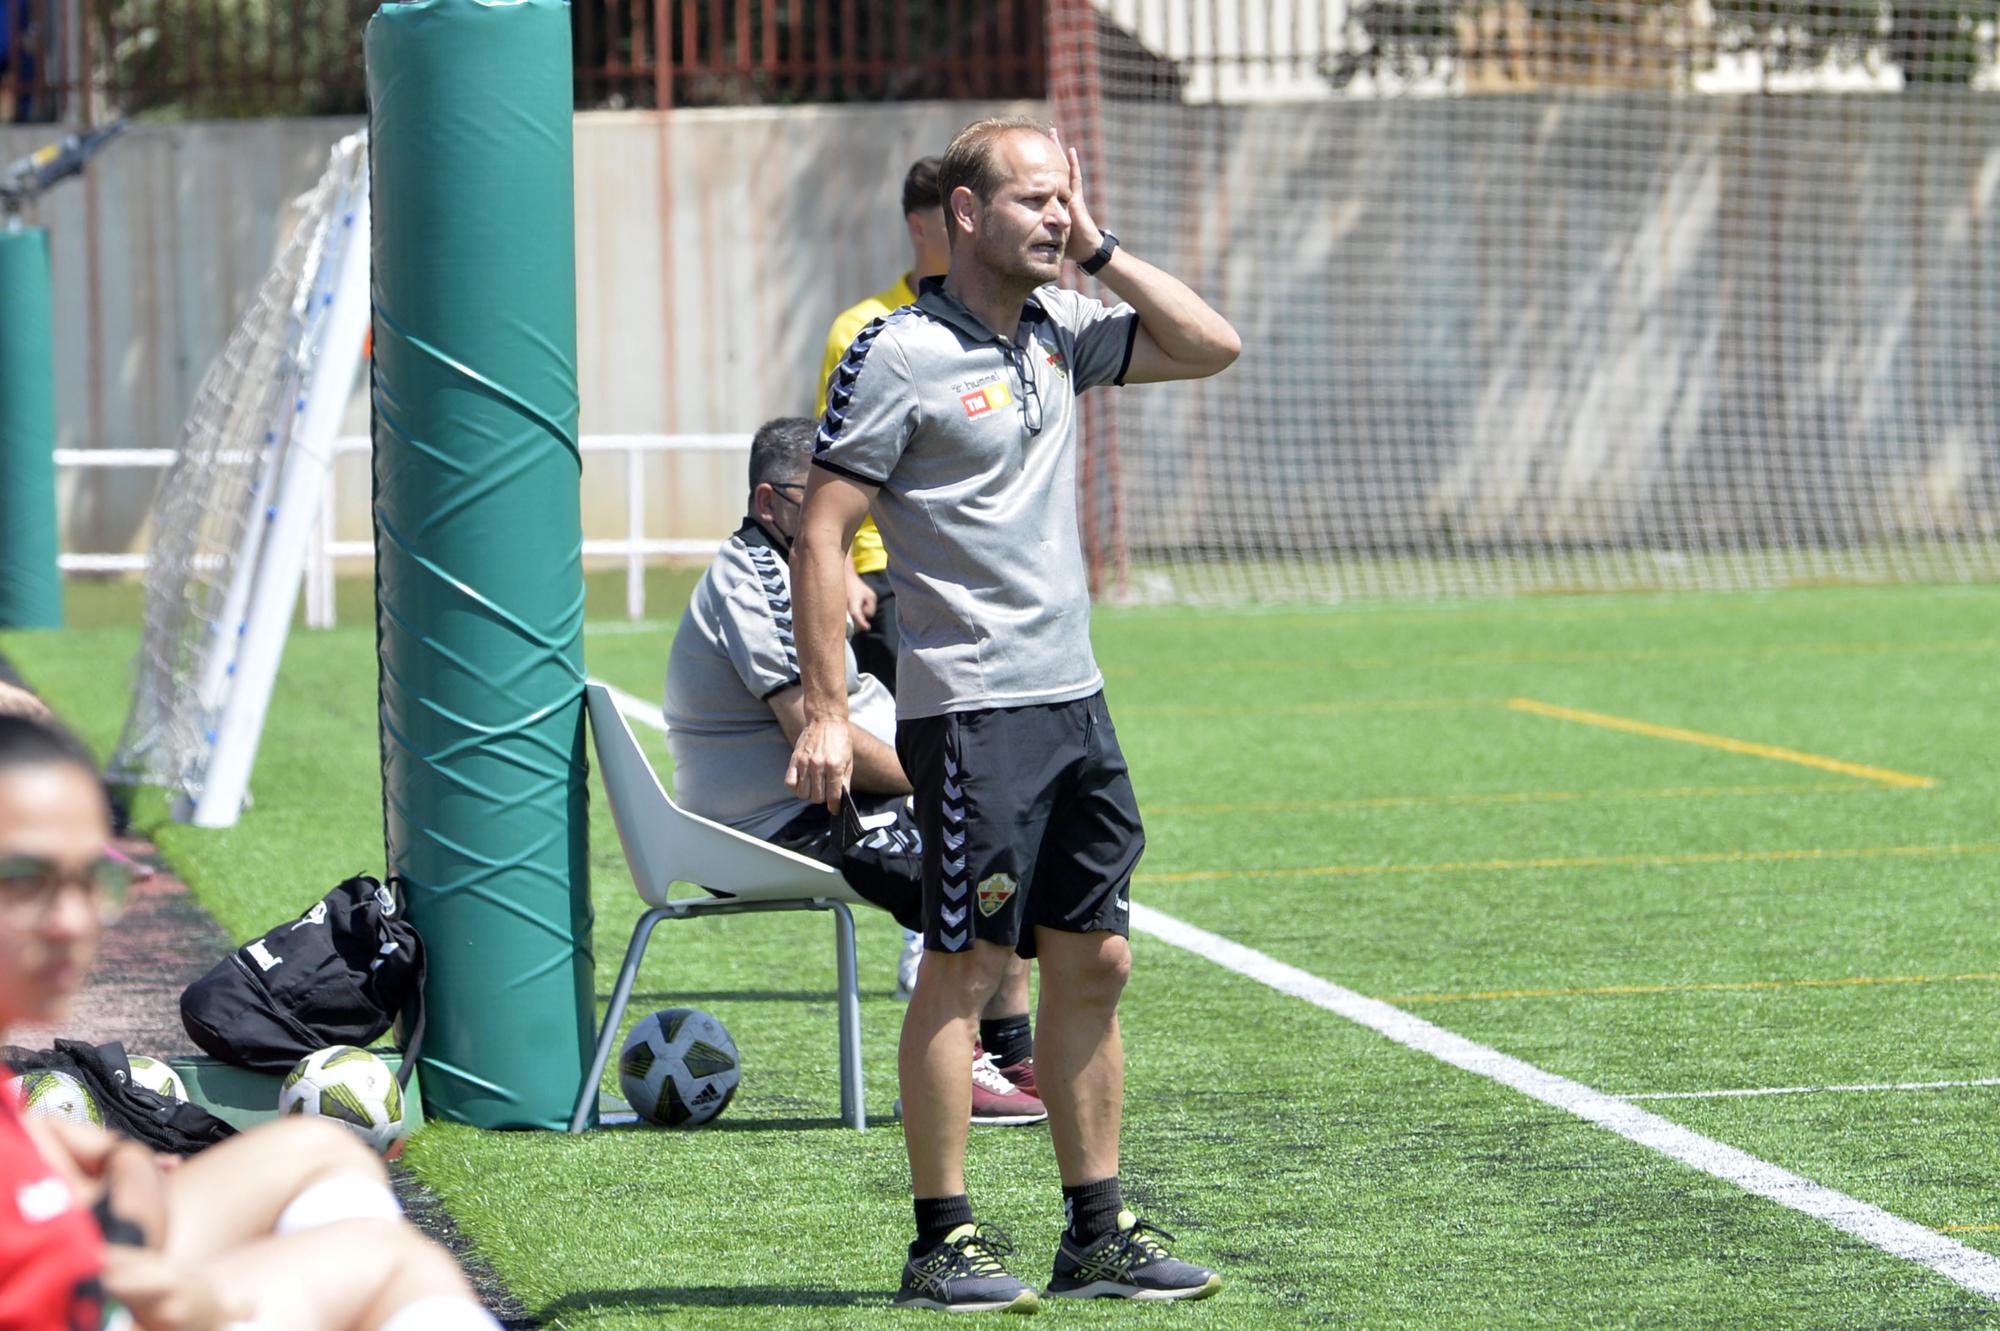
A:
[906, 965]
[965, 1274]
[996, 1100]
[1022, 1074]
[1129, 1263]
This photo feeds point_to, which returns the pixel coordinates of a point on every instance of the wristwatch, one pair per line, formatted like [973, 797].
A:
[1102, 257]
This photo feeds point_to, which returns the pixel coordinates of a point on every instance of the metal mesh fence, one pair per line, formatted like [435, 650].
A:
[1550, 296]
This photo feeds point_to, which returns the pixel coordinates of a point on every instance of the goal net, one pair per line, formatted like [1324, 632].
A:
[217, 519]
[1548, 295]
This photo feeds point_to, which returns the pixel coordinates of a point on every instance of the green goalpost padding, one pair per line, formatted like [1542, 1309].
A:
[30, 586]
[478, 544]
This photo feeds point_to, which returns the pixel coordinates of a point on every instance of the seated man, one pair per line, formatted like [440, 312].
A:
[288, 1227]
[734, 707]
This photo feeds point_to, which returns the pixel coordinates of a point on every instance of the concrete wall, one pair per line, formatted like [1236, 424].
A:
[778, 219]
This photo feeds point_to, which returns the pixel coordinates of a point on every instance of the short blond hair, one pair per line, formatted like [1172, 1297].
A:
[971, 161]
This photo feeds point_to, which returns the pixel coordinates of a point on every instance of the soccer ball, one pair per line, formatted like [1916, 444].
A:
[158, 1077]
[679, 1067]
[58, 1095]
[350, 1086]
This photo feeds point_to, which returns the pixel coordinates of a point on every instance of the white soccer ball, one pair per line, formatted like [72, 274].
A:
[350, 1086]
[51, 1093]
[679, 1067]
[158, 1077]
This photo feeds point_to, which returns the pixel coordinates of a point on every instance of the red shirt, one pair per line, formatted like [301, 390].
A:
[51, 1250]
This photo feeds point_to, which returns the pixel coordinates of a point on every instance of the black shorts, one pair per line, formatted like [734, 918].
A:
[885, 867]
[1027, 817]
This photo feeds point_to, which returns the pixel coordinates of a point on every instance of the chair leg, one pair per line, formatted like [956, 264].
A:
[852, 1111]
[621, 994]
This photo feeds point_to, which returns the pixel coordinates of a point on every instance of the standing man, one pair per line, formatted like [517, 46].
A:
[956, 419]
[871, 601]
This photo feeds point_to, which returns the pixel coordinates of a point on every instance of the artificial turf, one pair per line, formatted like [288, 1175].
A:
[1348, 790]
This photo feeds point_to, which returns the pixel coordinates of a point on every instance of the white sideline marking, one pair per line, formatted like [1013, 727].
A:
[1968, 1267]
[634, 708]
[1813, 1090]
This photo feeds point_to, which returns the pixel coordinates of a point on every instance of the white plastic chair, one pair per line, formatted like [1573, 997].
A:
[665, 844]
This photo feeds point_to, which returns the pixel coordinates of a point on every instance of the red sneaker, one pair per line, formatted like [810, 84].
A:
[996, 1099]
[1022, 1074]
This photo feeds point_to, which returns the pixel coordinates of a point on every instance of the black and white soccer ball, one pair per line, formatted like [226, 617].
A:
[679, 1068]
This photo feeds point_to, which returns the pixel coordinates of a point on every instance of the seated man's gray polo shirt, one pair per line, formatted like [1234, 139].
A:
[732, 652]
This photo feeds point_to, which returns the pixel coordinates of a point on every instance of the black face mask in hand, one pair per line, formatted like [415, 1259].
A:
[851, 829]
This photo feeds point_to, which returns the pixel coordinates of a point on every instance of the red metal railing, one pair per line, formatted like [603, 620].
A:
[84, 60]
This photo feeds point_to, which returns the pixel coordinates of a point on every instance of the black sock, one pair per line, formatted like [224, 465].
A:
[1092, 1209]
[937, 1217]
[1008, 1039]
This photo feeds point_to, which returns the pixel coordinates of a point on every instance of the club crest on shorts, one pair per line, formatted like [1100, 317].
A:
[993, 892]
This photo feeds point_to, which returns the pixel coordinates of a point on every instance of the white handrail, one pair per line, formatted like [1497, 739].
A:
[635, 547]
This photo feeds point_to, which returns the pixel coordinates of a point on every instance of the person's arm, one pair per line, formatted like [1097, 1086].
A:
[860, 599]
[823, 754]
[107, 1171]
[1179, 335]
[19, 702]
[877, 770]
[163, 1294]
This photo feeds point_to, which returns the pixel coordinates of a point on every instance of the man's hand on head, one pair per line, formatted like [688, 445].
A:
[1084, 233]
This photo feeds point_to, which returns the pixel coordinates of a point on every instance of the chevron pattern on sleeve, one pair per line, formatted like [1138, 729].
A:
[778, 593]
[840, 388]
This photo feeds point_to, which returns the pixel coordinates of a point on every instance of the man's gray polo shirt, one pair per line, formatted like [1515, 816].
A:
[732, 652]
[971, 436]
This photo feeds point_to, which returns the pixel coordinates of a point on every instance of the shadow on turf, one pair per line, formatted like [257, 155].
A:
[660, 1297]
[726, 1124]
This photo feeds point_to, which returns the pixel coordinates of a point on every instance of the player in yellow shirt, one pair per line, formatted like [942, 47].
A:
[870, 602]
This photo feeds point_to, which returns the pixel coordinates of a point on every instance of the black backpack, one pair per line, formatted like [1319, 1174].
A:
[144, 1115]
[339, 974]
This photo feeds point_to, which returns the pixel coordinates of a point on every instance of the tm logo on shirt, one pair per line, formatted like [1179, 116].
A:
[980, 401]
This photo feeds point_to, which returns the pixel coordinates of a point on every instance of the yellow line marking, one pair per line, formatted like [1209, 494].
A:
[1318, 708]
[1967, 1229]
[1580, 862]
[1515, 797]
[1717, 986]
[1723, 742]
[1587, 657]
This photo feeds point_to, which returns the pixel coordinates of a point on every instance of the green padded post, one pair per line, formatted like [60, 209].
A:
[479, 545]
[30, 586]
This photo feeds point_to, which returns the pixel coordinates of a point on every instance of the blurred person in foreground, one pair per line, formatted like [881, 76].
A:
[289, 1227]
[954, 421]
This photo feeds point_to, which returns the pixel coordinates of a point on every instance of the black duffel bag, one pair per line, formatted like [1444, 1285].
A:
[338, 974]
[130, 1109]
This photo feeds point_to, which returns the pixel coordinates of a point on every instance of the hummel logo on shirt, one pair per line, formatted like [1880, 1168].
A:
[980, 401]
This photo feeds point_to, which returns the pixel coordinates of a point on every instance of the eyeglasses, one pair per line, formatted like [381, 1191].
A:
[32, 885]
[1031, 397]
[788, 485]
